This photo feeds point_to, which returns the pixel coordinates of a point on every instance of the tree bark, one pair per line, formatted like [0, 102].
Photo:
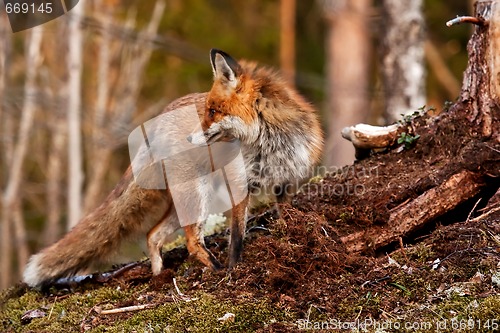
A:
[403, 68]
[481, 84]
[418, 212]
[75, 172]
[347, 71]
[287, 38]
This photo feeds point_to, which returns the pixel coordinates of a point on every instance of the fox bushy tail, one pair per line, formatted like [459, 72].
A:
[127, 211]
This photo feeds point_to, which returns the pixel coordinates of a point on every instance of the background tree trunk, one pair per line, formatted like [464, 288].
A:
[347, 74]
[287, 38]
[75, 158]
[5, 234]
[57, 93]
[403, 68]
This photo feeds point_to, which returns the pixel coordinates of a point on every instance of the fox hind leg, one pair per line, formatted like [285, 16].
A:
[159, 235]
[283, 194]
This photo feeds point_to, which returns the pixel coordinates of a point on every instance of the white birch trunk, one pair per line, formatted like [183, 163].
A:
[403, 67]
[11, 196]
[75, 172]
[5, 246]
[54, 172]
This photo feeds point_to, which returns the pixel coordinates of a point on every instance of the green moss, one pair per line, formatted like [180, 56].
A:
[201, 315]
[463, 314]
[279, 229]
[66, 313]
[421, 253]
[345, 217]
[62, 313]
[316, 179]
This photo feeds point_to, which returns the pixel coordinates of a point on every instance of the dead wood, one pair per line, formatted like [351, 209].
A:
[418, 212]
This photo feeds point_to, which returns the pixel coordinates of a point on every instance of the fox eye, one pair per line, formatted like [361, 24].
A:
[211, 112]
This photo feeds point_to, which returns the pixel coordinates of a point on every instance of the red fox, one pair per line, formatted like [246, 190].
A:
[281, 140]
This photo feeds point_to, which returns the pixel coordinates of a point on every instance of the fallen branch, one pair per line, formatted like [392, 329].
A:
[366, 137]
[127, 309]
[417, 213]
[466, 19]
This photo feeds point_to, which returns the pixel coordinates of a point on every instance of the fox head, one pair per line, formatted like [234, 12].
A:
[229, 110]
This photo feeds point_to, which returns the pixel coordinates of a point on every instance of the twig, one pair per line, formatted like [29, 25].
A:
[183, 297]
[402, 246]
[128, 309]
[105, 277]
[498, 151]
[257, 228]
[472, 210]
[52, 308]
[177, 288]
[494, 237]
[466, 19]
[326, 234]
[485, 215]
[371, 283]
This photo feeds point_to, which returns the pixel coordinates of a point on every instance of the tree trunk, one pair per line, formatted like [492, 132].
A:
[347, 71]
[75, 172]
[54, 184]
[287, 38]
[58, 135]
[5, 233]
[403, 68]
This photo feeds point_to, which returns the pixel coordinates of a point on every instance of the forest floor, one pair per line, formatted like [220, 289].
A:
[296, 274]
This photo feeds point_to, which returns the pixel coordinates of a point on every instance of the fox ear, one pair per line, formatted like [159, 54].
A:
[225, 68]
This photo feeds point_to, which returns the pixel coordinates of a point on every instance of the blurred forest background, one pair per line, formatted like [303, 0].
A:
[72, 90]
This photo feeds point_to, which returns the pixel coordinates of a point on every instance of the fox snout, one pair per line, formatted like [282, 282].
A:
[213, 134]
[197, 138]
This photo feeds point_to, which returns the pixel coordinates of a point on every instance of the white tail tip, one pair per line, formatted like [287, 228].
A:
[31, 275]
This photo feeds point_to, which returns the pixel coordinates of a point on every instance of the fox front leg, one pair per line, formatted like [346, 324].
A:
[238, 227]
